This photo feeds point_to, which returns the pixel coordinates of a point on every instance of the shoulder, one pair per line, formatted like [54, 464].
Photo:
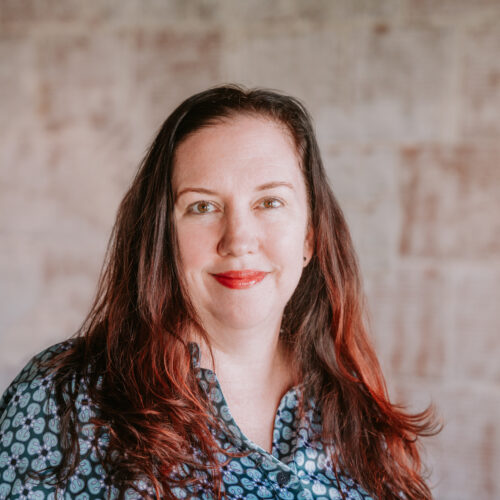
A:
[34, 377]
[30, 427]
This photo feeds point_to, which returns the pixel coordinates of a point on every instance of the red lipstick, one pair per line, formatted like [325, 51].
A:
[240, 279]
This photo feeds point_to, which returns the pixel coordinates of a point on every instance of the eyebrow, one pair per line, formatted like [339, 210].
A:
[262, 187]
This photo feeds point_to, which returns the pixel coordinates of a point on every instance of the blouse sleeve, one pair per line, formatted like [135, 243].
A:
[28, 433]
[29, 439]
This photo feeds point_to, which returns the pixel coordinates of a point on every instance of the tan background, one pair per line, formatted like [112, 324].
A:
[406, 98]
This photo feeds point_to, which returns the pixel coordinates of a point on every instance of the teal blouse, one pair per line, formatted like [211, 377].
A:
[298, 466]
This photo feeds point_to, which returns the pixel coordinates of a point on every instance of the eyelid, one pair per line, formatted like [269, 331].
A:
[272, 199]
[191, 208]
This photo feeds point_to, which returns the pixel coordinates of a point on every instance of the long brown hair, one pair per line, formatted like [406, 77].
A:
[132, 354]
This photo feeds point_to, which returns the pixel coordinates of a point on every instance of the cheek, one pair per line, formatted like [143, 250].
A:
[286, 243]
[195, 247]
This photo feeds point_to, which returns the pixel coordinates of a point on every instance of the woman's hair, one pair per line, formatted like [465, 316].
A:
[132, 354]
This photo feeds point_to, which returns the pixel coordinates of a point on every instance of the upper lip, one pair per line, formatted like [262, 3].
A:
[244, 273]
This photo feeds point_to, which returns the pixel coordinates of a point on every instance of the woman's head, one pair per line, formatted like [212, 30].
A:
[152, 198]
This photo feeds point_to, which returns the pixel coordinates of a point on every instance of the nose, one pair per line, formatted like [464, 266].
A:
[239, 236]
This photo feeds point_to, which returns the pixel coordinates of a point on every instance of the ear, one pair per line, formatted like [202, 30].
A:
[308, 246]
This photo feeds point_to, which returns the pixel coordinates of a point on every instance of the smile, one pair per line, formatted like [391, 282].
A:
[240, 279]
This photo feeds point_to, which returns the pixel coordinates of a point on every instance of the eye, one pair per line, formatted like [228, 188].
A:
[271, 203]
[201, 207]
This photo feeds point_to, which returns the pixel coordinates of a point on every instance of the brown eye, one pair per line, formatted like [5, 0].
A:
[202, 207]
[272, 203]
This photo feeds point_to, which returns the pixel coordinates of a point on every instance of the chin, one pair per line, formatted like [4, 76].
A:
[244, 321]
[247, 316]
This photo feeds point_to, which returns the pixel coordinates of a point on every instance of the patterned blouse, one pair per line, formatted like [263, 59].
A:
[297, 467]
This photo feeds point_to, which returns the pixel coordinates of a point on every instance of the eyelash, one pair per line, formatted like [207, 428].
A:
[192, 208]
[273, 200]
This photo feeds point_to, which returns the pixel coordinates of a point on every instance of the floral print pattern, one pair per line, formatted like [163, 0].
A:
[298, 466]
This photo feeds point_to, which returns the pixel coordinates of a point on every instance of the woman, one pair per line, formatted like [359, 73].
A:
[226, 353]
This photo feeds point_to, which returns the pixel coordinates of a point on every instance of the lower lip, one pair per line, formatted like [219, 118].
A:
[240, 283]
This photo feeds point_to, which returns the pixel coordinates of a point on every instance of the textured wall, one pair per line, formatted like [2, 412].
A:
[406, 98]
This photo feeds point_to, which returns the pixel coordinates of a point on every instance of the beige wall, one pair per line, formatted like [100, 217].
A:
[406, 99]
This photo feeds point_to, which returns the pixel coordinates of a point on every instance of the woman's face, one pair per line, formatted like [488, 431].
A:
[242, 221]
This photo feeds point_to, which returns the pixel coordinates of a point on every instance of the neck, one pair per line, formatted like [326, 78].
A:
[237, 353]
[254, 373]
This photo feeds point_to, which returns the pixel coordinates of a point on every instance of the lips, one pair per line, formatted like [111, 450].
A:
[240, 279]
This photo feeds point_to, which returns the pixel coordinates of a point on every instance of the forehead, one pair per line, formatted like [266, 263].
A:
[246, 146]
